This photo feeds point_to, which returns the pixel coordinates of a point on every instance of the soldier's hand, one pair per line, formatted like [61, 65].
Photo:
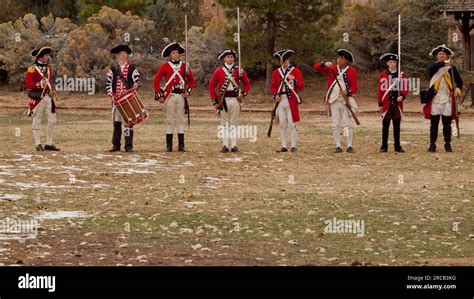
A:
[216, 106]
[400, 99]
[291, 77]
[328, 64]
[344, 92]
[43, 82]
[458, 91]
[277, 99]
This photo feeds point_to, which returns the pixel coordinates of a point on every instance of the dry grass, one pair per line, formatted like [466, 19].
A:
[255, 207]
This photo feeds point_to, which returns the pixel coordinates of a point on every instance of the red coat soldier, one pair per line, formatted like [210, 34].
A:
[39, 82]
[225, 83]
[287, 82]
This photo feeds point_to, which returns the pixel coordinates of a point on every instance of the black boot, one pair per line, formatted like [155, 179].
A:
[396, 136]
[385, 127]
[116, 137]
[447, 148]
[169, 142]
[434, 119]
[128, 139]
[181, 142]
[432, 147]
[447, 120]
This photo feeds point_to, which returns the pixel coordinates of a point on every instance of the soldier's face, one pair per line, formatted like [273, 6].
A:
[392, 64]
[342, 61]
[229, 59]
[285, 63]
[122, 56]
[44, 58]
[441, 56]
[174, 55]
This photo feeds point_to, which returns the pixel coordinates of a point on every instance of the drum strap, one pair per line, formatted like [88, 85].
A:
[119, 73]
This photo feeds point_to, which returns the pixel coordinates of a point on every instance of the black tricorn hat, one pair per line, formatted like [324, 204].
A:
[441, 48]
[170, 48]
[39, 52]
[227, 52]
[389, 56]
[345, 53]
[121, 48]
[283, 55]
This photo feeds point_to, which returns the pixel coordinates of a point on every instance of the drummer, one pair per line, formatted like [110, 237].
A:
[121, 77]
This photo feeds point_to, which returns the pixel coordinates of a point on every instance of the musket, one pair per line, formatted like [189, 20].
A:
[399, 54]
[186, 70]
[456, 100]
[346, 99]
[239, 97]
[275, 107]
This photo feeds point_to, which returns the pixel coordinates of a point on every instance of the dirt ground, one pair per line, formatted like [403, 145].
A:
[256, 207]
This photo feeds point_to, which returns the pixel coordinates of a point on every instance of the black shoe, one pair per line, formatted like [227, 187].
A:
[169, 142]
[447, 148]
[293, 149]
[234, 149]
[39, 148]
[338, 150]
[114, 149]
[383, 149]
[181, 143]
[432, 147]
[129, 149]
[399, 150]
[350, 149]
[51, 148]
[224, 149]
[282, 150]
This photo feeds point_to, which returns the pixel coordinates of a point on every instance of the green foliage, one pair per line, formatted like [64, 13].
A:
[372, 29]
[270, 25]
[90, 7]
[14, 9]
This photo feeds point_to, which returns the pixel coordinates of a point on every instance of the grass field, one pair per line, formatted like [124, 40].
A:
[256, 207]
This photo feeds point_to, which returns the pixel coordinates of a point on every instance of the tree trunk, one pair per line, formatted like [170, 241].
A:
[271, 21]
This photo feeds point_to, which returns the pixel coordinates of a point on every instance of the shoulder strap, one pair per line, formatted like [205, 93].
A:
[230, 76]
[118, 72]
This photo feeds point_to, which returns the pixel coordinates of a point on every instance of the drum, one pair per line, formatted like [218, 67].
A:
[131, 108]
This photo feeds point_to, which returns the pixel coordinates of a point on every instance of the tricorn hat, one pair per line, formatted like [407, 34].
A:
[389, 56]
[39, 52]
[227, 52]
[170, 48]
[345, 53]
[441, 48]
[121, 48]
[283, 55]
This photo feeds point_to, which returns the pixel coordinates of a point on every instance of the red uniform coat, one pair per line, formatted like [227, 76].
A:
[350, 77]
[166, 71]
[297, 87]
[384, 84]
[218, 79]
[32, 82]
